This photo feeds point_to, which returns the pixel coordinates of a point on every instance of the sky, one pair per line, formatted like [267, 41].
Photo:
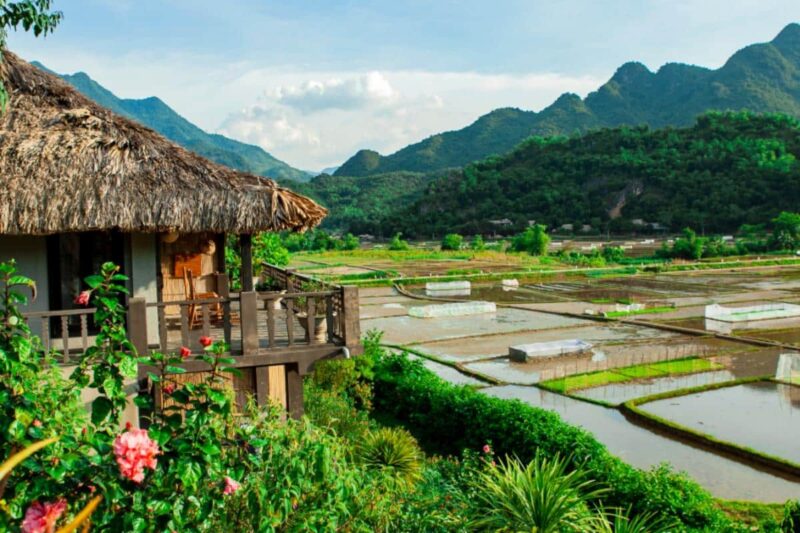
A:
[313, 81]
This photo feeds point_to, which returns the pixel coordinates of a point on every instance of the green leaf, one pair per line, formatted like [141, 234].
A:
[94, 281]
[174, 369]
[101, 407]
[190, 472]
[129, 367]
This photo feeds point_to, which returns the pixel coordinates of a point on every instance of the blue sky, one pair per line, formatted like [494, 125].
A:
[313, 81]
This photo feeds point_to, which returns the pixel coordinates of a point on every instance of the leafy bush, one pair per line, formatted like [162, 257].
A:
[477, 244]
[398, 244]
[447, 419]
[452, 241]
[533, 240]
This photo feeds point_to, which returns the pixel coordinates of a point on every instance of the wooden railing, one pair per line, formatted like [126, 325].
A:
[64, 320]
[291, 329]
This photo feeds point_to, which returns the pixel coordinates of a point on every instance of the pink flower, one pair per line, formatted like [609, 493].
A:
[185, 352]
[42, 517]
[135, 451]
[231, 486]
[37, 423]
[487, 448]
[206, 341]
[83, 298]
[169, 388]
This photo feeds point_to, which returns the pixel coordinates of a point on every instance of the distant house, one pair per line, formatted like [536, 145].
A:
[566, 227]
[586, 228]
[638, 222]
[82, 186]
[501, 222]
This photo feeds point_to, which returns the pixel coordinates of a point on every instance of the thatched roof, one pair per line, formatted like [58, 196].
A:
[68, 164]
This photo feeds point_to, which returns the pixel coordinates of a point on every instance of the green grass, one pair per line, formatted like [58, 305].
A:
[648, 311]
[629, 373]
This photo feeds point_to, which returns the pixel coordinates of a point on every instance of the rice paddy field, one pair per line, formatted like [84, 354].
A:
[672, 350]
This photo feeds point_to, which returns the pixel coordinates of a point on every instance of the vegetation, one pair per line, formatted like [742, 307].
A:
[534, 240]
[397, 244]
[676, 367]
[758, 78]
[359, 204]
[727, 170]
[452, 241]
[406, 392]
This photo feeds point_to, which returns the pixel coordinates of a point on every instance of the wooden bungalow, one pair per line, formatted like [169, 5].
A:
[82, 185]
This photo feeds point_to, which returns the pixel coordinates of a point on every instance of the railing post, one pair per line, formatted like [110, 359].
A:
[248, 304]
[224, 291]
[351, 324]
[137, 324]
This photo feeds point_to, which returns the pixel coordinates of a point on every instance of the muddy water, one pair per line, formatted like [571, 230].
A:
[642, 448]
[764, 416]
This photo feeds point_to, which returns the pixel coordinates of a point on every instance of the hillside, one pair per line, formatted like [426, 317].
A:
[155, 114]
[726, 170]
[358, 204]
[761, 77]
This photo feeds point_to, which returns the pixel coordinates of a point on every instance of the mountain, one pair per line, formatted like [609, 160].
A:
[726, 170]
[361, 202]
[155, 114]
[761, 77]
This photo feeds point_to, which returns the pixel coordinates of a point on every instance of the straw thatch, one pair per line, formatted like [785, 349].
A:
[68, 164]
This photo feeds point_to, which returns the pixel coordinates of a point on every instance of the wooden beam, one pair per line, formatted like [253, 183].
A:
[246, 247]
[303, 356]
[294, 391]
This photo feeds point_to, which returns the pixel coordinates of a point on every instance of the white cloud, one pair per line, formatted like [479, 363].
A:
[371, 89]
[314, 124]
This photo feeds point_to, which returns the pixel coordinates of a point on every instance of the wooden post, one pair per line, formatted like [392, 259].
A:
[294, 391]
[262, 384]
[351, 324]
[137, 324]
[224, 291]
[249, 317]
[246, 242]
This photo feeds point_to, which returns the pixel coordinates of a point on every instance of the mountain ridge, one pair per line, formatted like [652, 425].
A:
[157, 115]
[761, 77]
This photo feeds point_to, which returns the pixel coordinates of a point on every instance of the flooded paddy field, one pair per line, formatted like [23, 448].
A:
[643, 448]
[550, 309]
[764, 416]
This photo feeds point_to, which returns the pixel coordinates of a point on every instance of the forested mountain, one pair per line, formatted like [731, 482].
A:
[360, 204]
[155, 114]
[761, 77]
[726, 170]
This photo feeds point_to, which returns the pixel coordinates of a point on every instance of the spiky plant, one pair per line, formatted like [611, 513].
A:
[622, 522]
[542, 496]
[394, 452]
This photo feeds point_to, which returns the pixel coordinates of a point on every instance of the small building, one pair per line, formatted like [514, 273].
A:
[82, 186]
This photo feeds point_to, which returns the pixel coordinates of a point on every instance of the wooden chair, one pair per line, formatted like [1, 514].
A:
[190, 291]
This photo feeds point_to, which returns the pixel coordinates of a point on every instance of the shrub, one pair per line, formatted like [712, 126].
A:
[349, 242]
[542, 496]
[452, 241]
[533, 240]
[394, 453]
[478, 244]
[398, 244]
